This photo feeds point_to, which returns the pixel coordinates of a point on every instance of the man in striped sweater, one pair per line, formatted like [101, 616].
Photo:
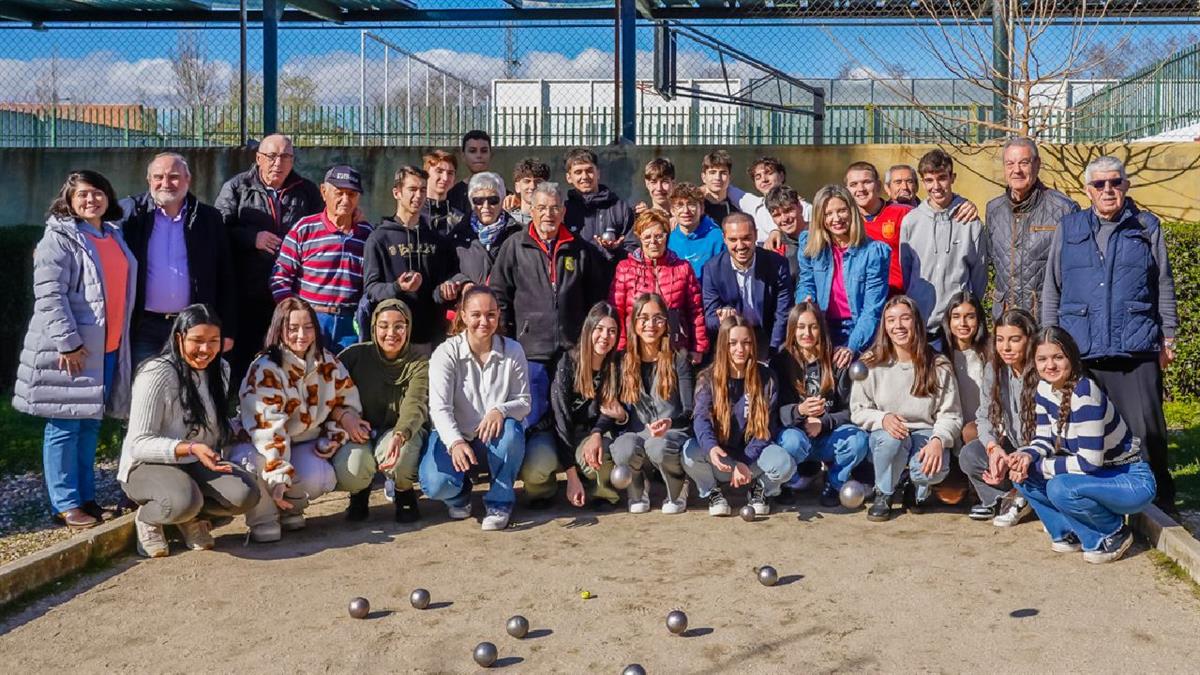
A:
[321, 258]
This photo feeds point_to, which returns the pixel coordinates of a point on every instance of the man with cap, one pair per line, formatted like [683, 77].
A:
[321, 259]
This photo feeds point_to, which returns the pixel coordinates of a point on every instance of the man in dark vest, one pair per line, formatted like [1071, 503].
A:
[1109, 284]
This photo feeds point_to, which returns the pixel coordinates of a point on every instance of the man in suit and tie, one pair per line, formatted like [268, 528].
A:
[748, 280]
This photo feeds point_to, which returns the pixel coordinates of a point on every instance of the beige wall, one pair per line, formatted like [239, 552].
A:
[1166, 177]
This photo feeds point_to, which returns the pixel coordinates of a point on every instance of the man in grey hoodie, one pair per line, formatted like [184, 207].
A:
[939, 255]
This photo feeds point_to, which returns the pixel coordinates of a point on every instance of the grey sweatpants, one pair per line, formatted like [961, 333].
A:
[170, 494]
[973, 461]
[664, 452]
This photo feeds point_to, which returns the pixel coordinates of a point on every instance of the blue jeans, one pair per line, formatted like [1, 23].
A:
[1094, 505]
[845, 448]
[69, 453]
[504, 455]
[890, 455]
[539, 393]
[839, 332]
[337, 330]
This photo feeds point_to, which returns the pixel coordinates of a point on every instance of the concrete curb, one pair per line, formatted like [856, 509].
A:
[1171, 538]
[102, 542]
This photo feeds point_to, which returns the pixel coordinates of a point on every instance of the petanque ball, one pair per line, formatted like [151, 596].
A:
[858, 371]
[634, 669]
[767, 576]
[359, 608]
[852, 494]
[677, 622]
[748, 513]
[419, 598]
[485, 654]
[517, 626]
[621, 476]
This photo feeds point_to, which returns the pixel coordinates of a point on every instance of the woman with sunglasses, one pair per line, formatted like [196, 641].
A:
[490, 225]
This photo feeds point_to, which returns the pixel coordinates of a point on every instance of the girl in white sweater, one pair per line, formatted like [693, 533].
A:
[909, 405]
[478, 397]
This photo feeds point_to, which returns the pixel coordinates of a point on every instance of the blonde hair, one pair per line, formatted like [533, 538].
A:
[818, 235]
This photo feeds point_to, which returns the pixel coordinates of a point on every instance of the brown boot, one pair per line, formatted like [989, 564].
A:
[78, 519]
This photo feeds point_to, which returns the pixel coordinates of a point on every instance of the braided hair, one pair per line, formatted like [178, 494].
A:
[1053, 335]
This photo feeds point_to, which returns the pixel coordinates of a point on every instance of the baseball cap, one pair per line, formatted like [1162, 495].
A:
[343, 176]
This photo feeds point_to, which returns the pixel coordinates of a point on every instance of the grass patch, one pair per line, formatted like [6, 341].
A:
[1169, 569]
[21, 448]
[1183, 420]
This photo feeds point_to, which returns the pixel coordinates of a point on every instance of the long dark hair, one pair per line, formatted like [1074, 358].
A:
[925, 360]
[631, 367]
[609, 376]
[61, 206]
[1024, 322]
[979, 341]
[721, 371]
[1063, 340]
[194, 414]
[273, 342]
[794, 369]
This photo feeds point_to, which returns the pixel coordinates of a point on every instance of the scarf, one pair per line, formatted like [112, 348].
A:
[488, 234]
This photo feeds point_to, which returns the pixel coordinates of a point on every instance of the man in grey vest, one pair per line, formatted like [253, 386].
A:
[1020, 224]
[1109, 284]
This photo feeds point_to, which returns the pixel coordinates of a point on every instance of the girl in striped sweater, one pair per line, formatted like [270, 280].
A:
[1083, 471]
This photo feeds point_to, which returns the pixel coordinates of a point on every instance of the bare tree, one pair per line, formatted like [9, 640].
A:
[46, 90]
[196, 76]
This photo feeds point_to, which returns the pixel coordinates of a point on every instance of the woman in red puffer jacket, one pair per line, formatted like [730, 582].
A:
[654, 269]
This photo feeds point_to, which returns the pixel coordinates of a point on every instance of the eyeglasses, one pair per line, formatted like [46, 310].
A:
[490, 201]
[657, 238]
[1114, 183]
[273, 157]
[653, 320]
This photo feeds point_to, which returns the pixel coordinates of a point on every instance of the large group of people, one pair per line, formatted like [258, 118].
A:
[723, 343]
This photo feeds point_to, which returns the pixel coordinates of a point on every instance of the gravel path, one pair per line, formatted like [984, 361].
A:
[25, 523]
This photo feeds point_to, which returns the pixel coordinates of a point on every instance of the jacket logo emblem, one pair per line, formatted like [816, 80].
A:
[1043, 228]
[888, 230]
[569, 264]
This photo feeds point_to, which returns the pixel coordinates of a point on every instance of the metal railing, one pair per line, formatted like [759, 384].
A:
[1159, 98]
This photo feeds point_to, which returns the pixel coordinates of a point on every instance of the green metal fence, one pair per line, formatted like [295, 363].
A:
[1158, 99]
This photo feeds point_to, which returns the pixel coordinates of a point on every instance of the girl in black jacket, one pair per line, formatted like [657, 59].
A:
[814, 399]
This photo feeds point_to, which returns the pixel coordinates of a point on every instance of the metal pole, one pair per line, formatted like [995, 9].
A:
[270, 38]
[616, 65]
[362, 84]
[243, 95]
[1002, 75]
[628, 63]
[407, 97]
[386, 94]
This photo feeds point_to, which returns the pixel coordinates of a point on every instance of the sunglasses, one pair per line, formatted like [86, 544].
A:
[1114, 183]
[490, 201]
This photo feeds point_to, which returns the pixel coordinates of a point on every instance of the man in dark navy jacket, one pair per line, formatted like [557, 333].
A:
[750, 281]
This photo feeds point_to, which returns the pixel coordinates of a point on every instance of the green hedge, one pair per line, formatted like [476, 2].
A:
[1183, 243]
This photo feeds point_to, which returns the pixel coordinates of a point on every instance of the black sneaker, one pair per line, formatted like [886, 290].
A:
[406, 506]
[360, 506]
[982, 512]
[786, 496]
[717, 504]
[829, 496]
[757, 497]
[1111, 548]
[881, 508]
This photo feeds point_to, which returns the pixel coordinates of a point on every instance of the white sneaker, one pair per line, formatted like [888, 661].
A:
[459, 512]
[496, 519]
[1012, 511]
[677, 505]
[1068, 544]
[151, 542]
[1111, 548]
[265, 533]
[639, 500]
[292, 522]
[197, 534]
[389, 490]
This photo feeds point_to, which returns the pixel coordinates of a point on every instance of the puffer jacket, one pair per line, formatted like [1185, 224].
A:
[671, 277]
[68, 313]
[1019, 237]
[247, 209]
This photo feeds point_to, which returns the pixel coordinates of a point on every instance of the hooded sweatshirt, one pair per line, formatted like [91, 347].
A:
[589, 215]
[394, 392]
[941, 257]
[699, 246]
[394, 249]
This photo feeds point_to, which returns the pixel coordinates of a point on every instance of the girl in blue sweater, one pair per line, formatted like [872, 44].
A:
[734, 421]
[1083, 471]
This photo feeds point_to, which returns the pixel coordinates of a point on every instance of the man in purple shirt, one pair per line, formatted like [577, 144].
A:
[183, 256]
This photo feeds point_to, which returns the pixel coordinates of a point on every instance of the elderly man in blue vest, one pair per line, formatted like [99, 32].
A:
[1109, 284]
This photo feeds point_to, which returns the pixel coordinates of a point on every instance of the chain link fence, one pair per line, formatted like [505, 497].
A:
[924, 74]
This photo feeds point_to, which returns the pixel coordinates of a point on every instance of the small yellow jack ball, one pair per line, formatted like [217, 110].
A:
[586, 595]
